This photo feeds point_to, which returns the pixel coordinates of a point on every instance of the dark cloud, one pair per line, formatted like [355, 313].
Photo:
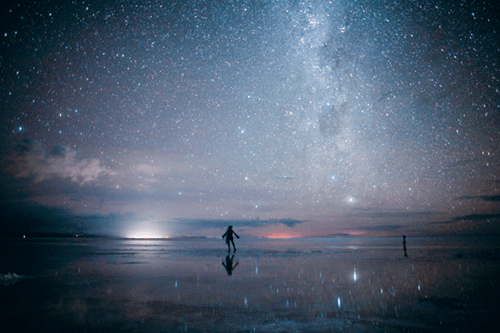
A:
[340, 234]
[468, 197]
[106, 224]
[443, 222]
[208, 223]
[20, 216]
[493, 198]
[477, 217]
[17, 189]
[24, 217]
[386, 227]
[393, 215]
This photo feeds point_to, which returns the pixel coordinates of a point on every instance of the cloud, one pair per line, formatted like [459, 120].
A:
[149, 169]
[240, 223]
[25, 217]
[386, 227]
[22, 216]
[494, 198]
[339, 234]
[31, 160]
[393, 215]
[476, 217]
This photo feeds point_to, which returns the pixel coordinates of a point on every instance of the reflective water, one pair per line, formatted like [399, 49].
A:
[301, 285]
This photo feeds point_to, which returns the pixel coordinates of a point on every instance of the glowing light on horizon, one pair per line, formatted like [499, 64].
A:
[146, 230]
[280, 236]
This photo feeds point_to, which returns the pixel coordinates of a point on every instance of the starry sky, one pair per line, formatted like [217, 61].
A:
[282, 118]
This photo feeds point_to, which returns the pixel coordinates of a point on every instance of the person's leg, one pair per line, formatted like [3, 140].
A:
[232, 241]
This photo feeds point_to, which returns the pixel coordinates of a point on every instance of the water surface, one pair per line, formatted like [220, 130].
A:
[298, 285]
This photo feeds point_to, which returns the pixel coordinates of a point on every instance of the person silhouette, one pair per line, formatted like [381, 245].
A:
[229, 238]
[228, 264]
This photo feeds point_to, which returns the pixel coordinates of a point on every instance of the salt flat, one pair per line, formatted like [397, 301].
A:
[298, 285]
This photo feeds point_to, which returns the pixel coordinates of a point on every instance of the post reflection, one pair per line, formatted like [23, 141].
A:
[404, 246]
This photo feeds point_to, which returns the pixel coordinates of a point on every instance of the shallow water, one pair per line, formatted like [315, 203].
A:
[299, 285]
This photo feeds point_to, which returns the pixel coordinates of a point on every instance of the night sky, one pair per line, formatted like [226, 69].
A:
[282, 118]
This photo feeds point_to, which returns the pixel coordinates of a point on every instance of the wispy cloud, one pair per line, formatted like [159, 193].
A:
[494, 198]
[393, 215]
[32, 160]
[289, 222]
[387, 227]
[477, 217]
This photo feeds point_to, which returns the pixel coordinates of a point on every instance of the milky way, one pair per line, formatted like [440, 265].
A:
[283, 117]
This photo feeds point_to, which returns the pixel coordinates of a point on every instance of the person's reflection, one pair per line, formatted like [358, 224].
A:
[228, 264]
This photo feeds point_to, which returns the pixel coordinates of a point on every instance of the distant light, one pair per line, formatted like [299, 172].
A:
[146, 234]
[338, 301]
[354, 275]
[146, 230]
[279, 236]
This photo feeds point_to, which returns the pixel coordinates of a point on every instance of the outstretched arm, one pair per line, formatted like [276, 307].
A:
[236, 235]
[224, 235]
